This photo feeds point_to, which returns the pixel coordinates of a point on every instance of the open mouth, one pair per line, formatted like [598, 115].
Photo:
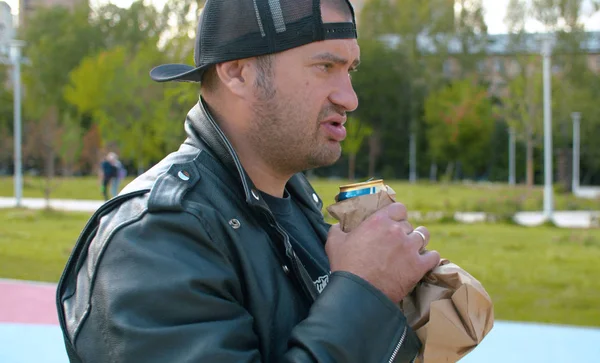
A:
[335, 130]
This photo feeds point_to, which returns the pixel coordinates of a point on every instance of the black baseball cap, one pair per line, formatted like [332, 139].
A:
[238, 29]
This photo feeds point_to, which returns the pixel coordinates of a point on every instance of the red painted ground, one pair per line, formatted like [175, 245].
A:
[27, 303]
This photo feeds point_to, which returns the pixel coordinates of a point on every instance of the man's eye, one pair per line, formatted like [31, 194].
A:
[325, 67]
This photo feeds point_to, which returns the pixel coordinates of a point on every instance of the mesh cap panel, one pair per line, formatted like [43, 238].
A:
[237, 29]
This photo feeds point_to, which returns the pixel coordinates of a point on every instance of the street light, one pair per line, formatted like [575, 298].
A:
[15, 58]
[576, 142]
[548, 192]
[511, 156]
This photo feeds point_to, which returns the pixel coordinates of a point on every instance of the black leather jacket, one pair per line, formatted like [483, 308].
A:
[188, 265]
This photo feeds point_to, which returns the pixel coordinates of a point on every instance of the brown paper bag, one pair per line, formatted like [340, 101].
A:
[449, 309]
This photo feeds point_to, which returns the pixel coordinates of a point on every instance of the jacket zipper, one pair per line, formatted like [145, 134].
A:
[395, 353]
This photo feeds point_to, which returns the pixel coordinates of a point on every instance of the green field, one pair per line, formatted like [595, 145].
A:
[424, 196]
[542, 274]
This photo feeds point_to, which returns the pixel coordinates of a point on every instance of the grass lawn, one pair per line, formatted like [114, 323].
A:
[424, 196]
[35, 245]
[542, 274]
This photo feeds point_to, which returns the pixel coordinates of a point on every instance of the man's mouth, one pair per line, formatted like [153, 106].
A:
[335, 130]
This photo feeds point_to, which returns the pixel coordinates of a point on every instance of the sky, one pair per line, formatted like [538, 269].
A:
[494, 14]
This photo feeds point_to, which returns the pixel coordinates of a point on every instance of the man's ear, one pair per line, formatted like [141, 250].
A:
[236, 76]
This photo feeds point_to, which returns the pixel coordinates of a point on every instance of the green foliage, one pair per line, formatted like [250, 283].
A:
[380, 84]
[131, 110]
[356, 133]
[522, 105]
[72, 142]
[460, 123]
[89, 72]
[129, 27]
[57, 39]
[6, 124]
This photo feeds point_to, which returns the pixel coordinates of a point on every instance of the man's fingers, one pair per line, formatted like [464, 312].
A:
[406, 227]
[430, 260]
[420, 236]
[335, 229]
[395, 211]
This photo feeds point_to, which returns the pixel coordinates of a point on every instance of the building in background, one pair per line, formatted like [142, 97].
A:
[6, 26]
[27, 7]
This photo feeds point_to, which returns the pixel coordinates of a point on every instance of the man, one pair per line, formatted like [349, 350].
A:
[108, 173]
[220, 252]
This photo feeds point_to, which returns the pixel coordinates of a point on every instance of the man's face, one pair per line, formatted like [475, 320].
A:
[300, 111]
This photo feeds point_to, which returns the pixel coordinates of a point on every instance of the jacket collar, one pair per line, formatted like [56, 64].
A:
[201, 128]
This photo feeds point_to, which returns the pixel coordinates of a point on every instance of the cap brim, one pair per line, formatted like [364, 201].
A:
[177, 72]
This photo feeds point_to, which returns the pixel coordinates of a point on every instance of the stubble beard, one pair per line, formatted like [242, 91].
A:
[283, 138]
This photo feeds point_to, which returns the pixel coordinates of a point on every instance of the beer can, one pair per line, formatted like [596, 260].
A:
[357, 189]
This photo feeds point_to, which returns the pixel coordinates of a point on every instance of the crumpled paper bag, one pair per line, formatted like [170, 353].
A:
[448, 309]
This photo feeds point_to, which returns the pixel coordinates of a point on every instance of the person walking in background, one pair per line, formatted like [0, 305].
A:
[120, 174]
[108, 173]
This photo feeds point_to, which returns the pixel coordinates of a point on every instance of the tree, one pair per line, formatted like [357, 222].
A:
[562, 18]
[71, 146]
[471, 32]
[131, 110]
[423, 36]
[356, 133]
[460, 125]
[130, 27]
[381, 88]
[522, 110]
[57, 39]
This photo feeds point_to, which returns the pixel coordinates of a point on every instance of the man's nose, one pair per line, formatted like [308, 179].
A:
[344, 95]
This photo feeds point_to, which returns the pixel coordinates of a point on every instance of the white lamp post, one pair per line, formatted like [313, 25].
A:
[15, 57]
[511, 157]
[548, 191]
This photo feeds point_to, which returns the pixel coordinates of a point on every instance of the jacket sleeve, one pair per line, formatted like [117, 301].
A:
[152, 302]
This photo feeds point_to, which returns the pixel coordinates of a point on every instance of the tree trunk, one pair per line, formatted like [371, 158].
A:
[433, 173]
[529, 131]
[449, 171]
[374, 151]
[50, 126]
[529, 157]
[351, 166]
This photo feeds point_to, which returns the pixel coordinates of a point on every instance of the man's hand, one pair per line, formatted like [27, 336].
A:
[384, 250]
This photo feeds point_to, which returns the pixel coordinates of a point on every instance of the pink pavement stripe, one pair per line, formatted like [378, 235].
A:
[27, 302]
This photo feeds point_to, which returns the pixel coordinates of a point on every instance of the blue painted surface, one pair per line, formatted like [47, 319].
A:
[523, 342]
[20, 343]
[507, 342]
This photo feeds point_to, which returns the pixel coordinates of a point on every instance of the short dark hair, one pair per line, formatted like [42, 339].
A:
[264, 79]
[264, 65]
